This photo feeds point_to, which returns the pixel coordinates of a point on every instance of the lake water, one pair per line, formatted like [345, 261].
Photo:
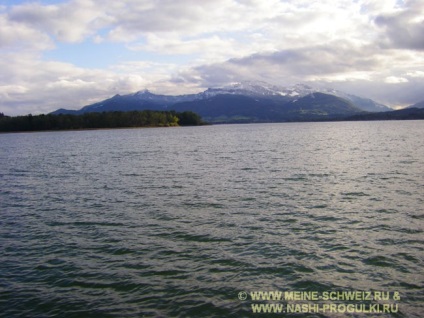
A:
[182, 222]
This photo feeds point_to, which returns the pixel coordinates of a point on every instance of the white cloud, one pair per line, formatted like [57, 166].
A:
[395, 80]
[210, 48]
[10, 92]
[41, 87]
[416, 74]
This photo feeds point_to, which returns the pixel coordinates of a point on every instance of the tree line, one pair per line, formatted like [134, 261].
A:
[115, 119]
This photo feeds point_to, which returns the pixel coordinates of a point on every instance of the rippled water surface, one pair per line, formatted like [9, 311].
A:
[175, 222]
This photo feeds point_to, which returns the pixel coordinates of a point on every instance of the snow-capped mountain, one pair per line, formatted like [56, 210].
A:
[247, 101]
[363, 103]
[263, 89]
[260, 89]
[248, 88]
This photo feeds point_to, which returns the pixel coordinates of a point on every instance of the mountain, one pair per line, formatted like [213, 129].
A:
[267, 108]
[251, 88]
[417, 105]
[142, 100]
[245, 102]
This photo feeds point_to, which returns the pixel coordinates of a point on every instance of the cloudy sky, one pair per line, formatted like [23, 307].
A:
[70, 53]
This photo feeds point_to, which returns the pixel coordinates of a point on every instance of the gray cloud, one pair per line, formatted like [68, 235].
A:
[184, 17]
[404, 29]
[294, 64]
[323, 59]
[68, 22]
[19, 36]
[365, 70]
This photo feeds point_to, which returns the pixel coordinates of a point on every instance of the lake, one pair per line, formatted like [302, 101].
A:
[196, 221]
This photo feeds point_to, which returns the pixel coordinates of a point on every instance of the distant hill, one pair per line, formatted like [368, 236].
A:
[402, 114]
[417, 105]
[244, 102]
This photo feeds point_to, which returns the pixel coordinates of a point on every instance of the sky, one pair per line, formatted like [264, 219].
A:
[71, 53]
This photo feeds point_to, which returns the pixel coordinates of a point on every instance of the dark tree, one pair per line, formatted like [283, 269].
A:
[189, 118]
[113, 119]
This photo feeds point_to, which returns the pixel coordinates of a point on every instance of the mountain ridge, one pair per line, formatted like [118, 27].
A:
[247, 101]
[417, 105]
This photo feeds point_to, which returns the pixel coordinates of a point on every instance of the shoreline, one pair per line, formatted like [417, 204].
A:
[208, 124]
[86, 129]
